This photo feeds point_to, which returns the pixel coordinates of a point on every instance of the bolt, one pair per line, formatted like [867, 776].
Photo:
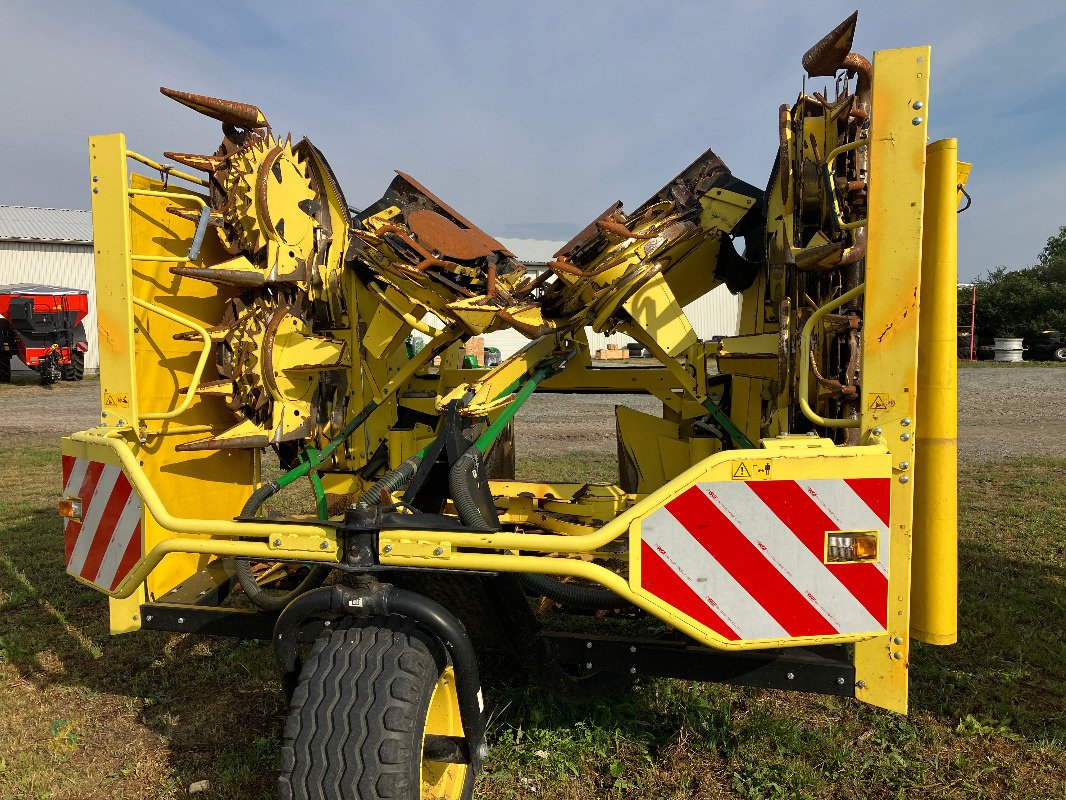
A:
[588, 645]
[897, 655]
[904, 437]
[588, 665]
[96, 178]
[136, 617]
[103, 413]
[277, 543]
[387, 548]
[877, 431]
[917, 105]
[632, 649]
[181, 620]
[840, 681]
[632, 670]
[324, 545]
[916, 121]
[96, 190]
[326, 624]
[904, 465]
[791, 676]
[861, 684]
[438, 551]
[203, 592]
[897, 640]
[904, 479]
[905, 421]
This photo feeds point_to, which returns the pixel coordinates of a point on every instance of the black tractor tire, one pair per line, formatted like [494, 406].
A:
[1059, 354]
[5, 368]
[356, 723]
[75, 370]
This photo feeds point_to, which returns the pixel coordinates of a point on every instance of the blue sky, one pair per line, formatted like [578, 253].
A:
[530, 118]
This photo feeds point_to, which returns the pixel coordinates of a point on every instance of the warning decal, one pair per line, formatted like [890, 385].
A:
[120, 399]
[879, 402]
[751, 470]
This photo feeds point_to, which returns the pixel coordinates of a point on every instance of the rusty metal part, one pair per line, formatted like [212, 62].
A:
[197, 161]
[784, 122]
[618, 229]
[489, 242]
[241, 115]
[440, 234]
[828, 54]
[831, 383]
[588, 234]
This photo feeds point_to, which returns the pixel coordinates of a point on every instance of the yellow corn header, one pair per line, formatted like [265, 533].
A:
[791, 511]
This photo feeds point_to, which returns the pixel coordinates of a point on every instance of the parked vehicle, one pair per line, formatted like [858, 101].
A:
[1045, 346]
[42, 327]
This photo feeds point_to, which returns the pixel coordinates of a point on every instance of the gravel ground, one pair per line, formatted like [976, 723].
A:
[1003, 411]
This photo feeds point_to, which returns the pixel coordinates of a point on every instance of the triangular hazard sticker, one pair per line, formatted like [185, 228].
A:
[741, 471]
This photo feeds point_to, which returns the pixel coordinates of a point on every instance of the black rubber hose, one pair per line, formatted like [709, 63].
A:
[245, 577]
[460, 487]
[470, 515]
[391, 482]
[569, 595]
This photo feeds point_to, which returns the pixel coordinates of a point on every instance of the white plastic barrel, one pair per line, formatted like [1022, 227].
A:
[1009, 349]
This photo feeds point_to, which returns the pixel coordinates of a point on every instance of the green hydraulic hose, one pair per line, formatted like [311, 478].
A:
[485, 440]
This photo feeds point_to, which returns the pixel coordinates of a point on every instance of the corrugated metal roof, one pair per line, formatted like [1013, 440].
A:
[30, 224]
[531, 251]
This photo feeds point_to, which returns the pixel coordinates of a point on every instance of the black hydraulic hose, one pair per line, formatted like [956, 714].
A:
[568, 594]
[243, 568]
[383, 601]
[391, 482]
[467, 466]
[258, 497]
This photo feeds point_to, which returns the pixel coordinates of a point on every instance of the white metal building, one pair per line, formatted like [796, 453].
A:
[717, 313]
[51, 246]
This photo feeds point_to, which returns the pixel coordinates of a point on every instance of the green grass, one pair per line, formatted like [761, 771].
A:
[145, 715]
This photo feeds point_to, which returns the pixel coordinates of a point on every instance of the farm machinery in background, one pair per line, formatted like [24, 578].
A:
[788, 520]
[42, 327]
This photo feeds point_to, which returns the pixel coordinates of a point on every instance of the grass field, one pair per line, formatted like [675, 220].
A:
[144, 716]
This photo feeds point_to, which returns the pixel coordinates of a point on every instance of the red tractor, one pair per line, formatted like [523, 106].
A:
[42, 325]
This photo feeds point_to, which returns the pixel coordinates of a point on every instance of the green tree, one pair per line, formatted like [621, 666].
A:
[1024, 301]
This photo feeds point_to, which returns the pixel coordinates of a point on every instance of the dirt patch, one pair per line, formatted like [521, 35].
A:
[32, 411]
[1011, 411]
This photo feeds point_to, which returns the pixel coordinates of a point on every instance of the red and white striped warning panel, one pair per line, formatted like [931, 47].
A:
[106, 543]
[759, 560]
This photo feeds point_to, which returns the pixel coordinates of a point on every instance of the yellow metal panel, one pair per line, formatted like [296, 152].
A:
[934, 593]
[111, 248]
[654, 307]
[890, 336]
[214, 483]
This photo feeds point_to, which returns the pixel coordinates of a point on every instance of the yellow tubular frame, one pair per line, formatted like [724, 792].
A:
[803, 362]
[440, 549]
[114, 440]
[205, 356]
